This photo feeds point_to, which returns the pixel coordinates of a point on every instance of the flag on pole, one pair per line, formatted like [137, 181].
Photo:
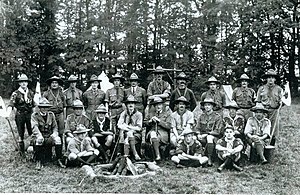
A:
[3, 112]
[37, 94]
[286, 96]
[228, 91]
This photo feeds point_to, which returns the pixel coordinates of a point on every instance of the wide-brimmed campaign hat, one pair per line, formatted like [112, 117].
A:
[54, 78]
[243, 77]
[229, 127]
[158, 70]
[134, 77]
[94, 78]
[72, 78]
[43, 102]
[22, 78]
[77, 104]
[81, 129]
[101, 109]
[259, 107]
[182, 99]
[208, 100]
[212, 80]
[187, 131]
[157, 100]
[117, 76]
[232, 104]
[182, 76]
[131, 99]
[271, 73]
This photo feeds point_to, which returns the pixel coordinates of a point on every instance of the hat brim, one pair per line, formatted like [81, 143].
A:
[228, 107]
[127, 102]
[23, 80]
[72, 81]
[90, 81]
[81, 131]
[100, 111]
[158, 72]
[193, 133]
[240, 80]
[208, 82]
[185, 102]
[77, 107]
[49, 81]
[259, 109]
[182, 78]
[45, 105]
[114, 78]
[202, 103]
[270, 75]
[154, 103]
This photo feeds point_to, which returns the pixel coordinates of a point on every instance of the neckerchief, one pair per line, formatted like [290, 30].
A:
[178, 91]
[229, 143]
[101, 123]
[130, 121]
[188, 146]
[25, 93]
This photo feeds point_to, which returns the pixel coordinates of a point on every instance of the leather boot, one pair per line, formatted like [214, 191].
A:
[22, 147]
[103, 153]
[222, 166]
[273, 140]
[155, 144]
[210, 150]
[58, 153]
[236, 167]
[38, 157]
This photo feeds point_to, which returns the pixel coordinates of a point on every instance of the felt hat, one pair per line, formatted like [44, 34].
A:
[117, 76]
[101, 109]
[77, 104]
[187, 131]
[54, 78]
[270, 73]
[23, 77]
[157, 100]
[158, 70]
[182, 99]
[182, 76]
[232, 104]
[43, 102]
[229, 127]
[81, 129]
[212, 80]
[131, 99]
[243, 77]
[259, 107]
[208, 100]
[94, 78]
[134, 77]
[72, 78]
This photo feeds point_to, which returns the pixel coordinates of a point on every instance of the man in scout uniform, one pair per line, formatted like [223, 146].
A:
[102, 135]
[244, 96]
[159, 123]
[72, 94]
[270, 96]
[235, 119]
[189, 152]
[130, 125]
[56, 97]
[22, 100]
[182, 90]
[209, 127]
[115, 97]
[214, 93]
[138, 92]
[93, 97]
[80, 149]
[257, 130]
[229, 150]
[45, 133]
[180, 119]
[75, 119]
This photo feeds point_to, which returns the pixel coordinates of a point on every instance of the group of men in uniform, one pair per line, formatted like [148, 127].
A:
[96, 125]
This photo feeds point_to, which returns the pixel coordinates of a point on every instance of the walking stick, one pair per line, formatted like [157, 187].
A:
[274, 126]
[14, 136]
[112, 155]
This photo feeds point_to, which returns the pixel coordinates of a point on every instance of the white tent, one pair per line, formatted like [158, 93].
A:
[104, 84]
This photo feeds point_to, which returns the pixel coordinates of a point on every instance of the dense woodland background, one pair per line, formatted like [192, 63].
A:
[202, 37]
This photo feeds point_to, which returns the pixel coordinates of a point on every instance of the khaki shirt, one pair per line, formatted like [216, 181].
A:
[188, 94]
[244, 97]
[43, 127]
[91, 100]
[57, 100]
[73, 121]
[218, 97]
[181, 121]
[270, 97]
[17, 100]
[140, 95]
[69, 95]
[158, 88]
[238, 122]
[115, 98]
[76, 146]
[210, 124]
[256, 127]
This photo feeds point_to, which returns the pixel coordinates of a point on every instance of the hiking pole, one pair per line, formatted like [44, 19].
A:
[14, 136]
[113, 153]
[274, 126]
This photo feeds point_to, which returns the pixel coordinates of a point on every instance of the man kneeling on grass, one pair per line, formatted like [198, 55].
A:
[189, 151]
[229, 149]
[80, 150]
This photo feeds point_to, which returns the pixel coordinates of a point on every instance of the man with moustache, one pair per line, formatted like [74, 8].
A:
[22, 100]
[72, 94]
[270, 96]
[244, 96]
[182, 90]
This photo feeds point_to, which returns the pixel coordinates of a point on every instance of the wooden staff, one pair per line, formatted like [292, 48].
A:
[274, 126]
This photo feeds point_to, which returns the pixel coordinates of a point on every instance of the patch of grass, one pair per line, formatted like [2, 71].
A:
[280, 177]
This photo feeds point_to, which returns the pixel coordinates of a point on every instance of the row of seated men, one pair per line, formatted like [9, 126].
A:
[22, 99]
[193, 143]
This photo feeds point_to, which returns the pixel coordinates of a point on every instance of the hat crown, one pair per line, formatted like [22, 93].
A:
[232, 104]
[94, 77]
[81, 129]
[159, 69]
[72, 78]
[131, 98]
[182, 99]
[101, 108]
[133, 76]
[259, 106]
[271, 72]
[187, 131]
[244, 76]
[77, 103]
[44, 102]
[54, 78]
[23, 77]
[212, 79]
[182, 74]
[157, 100]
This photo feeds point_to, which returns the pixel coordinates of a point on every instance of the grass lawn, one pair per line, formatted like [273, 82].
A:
[280, 177]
